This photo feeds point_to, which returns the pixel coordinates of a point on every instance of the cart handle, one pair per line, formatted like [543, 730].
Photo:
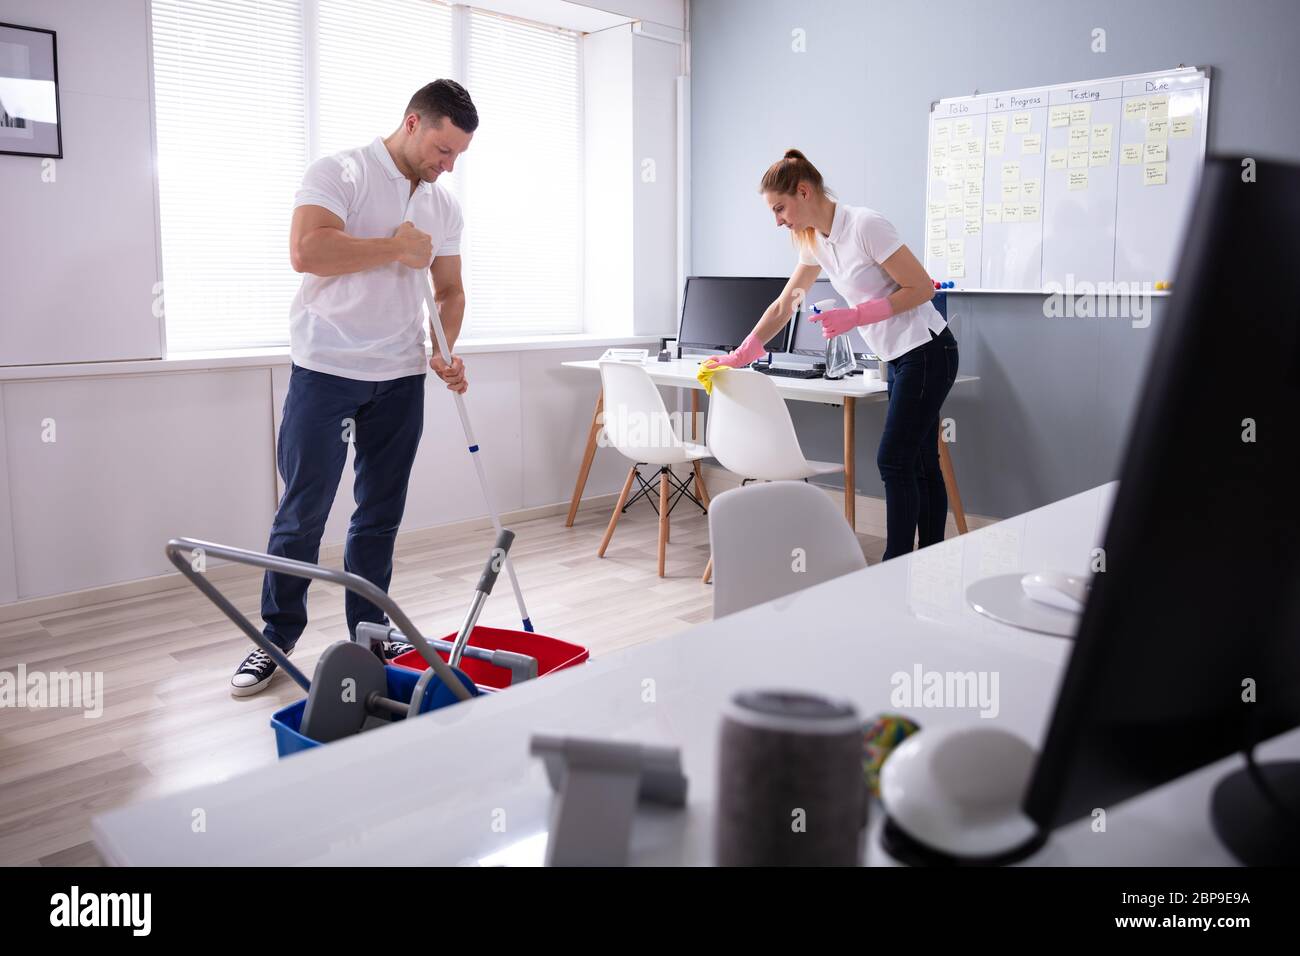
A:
[301, 569]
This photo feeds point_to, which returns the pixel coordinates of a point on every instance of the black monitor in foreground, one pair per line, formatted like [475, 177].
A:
[1189, 647]
[719, 311]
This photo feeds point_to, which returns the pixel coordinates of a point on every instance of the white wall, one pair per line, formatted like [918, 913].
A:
[655, 68]
[140, 458]
[78, 258]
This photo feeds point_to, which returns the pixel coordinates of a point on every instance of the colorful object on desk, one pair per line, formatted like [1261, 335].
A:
[879, 738]
[705, 375]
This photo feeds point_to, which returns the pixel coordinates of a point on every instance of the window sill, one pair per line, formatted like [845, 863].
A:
[271, 357]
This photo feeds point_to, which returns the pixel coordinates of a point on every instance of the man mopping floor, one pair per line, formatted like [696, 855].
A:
[357, 345]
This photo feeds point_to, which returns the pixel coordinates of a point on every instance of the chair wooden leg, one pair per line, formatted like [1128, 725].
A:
[618, 510]
[708, 571]
[663, 519]
[699, 483]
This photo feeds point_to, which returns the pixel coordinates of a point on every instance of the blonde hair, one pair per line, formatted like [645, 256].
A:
[783, 178]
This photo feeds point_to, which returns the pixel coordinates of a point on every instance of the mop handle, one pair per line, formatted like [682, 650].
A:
[435, 321]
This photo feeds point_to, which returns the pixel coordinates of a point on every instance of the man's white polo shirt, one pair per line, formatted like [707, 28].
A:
[369, 325]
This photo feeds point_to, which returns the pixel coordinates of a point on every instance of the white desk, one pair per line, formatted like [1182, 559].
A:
[847, 392]
[440, 789]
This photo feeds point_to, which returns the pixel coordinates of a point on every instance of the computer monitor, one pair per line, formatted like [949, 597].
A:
[719, 311]
[806, 337]
[1188, 649]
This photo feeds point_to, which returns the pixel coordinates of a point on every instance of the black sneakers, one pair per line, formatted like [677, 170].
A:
[254, 674]
[393, 649]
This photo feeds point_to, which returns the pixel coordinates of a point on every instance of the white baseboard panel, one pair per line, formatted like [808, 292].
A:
[329, 554]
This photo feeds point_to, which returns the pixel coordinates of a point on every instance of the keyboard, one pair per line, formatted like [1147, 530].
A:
[792, 372]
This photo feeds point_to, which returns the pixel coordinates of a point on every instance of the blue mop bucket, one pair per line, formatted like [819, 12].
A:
[401, 683]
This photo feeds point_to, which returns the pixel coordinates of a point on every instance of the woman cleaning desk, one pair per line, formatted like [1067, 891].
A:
[869, 266]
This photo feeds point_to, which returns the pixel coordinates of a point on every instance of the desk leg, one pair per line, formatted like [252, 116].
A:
[950, 483]
[850, 484]
[587, 457]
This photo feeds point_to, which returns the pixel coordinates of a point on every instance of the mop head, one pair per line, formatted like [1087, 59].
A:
[705, 375]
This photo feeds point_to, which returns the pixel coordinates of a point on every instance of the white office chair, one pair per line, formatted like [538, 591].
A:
[637, 424]
[773, 539]
[750, 433]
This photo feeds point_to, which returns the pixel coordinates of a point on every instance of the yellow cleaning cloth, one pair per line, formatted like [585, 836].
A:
[705, 375]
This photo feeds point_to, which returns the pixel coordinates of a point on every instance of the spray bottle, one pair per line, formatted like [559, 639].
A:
[839, 351]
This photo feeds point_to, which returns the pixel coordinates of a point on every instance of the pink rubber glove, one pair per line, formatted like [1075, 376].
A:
[750, 351]
[838, 321]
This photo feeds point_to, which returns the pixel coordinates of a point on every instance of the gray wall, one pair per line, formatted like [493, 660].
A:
[1051, 411]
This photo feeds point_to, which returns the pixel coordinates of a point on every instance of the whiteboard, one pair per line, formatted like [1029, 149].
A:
[1051, 187]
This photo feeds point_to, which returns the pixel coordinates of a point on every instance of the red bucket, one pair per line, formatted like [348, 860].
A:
[551, 655]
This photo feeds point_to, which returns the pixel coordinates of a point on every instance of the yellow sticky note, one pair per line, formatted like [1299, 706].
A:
[953, 179]
[1010, 192]
[1100, 156]
[1031, 144]
[942, 128]
[1156, 153]
[1153, 174]
[956, 247]
[961, 129]
[938, 250]
[1135, 109]
[1029, 212]
[1056, 159]
[957, 268]
[974, 188]
[1022, 122]
[1078, 136]
[1080, 114]
[974, 147]
[1031, 189]
[993, 212]
[1158, 108]
[1078, 179]
[1011, 171]
[1180, 128]
[997, 126]
[1058, 116]
[1078, 157]
[938, 229]
[973, 226]
[954, 209]
[997, 144]
[939, 170]
[1010, 212]
[971, 208]
[933, 210]
[956, 149]
[1157, 129]
[1130, 154]
[1101, 134]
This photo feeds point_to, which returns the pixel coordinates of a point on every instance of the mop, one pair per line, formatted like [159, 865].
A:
[469, 431]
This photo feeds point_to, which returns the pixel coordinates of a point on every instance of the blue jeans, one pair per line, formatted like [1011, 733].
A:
[916, 502]
[387, 420]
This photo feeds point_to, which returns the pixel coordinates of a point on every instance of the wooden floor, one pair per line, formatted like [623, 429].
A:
[169, 721]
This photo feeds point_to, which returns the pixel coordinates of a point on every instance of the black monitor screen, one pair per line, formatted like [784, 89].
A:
[808, 338]
[1188, 649]
[719, 311]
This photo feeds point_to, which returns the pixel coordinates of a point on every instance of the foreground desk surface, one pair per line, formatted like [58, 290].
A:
[458, 786]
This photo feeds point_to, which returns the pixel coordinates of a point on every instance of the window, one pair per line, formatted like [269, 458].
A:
[248, 92]
[228, 97]
[521, 180]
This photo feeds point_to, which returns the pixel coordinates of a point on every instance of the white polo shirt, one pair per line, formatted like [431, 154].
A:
[851, 256]
[369, 325]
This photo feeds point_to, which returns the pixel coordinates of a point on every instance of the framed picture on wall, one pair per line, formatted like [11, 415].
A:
[29, 92]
